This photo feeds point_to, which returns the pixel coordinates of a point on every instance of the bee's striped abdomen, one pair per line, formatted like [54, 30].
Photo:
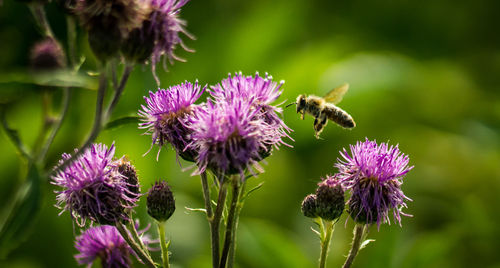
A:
[338, 116]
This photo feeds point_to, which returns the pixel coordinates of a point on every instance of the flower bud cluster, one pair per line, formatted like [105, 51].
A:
[328, 202]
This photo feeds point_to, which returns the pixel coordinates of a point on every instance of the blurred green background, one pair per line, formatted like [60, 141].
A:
[424, 75]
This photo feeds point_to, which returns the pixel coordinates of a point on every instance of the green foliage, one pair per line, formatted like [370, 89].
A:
[16, 227]
[421, 76]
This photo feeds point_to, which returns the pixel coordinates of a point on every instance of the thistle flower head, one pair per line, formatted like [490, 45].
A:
[263, 90]
[165, 25]
[167, 114]
[260, 93]
[228, 137]
[105, 243]
[374, 174]
[93, 188]
[47, 55]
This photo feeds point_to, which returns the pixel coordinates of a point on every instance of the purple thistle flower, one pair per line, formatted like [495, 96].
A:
[260, 92]
[229, 137]
[94, 189]
[374, 174]
[107, 244]
[167, 114]
[165, 26]
[262, 89]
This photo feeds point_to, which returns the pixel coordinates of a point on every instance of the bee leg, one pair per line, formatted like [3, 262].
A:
[318, 128]
[324, 121]
[303, 115]
[319, 124]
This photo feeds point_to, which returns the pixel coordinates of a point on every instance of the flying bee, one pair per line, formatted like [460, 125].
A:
[324, 109]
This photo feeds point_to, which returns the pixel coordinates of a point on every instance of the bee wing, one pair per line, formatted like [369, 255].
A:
[335, 95]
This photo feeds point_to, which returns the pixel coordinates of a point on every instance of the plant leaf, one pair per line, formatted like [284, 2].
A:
[122, 121]
[196, 209]
[365, 243]
[62, 78]
[22, 215]
[251, 191]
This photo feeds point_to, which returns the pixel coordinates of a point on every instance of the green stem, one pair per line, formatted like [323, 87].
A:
[206, 196]
[209, 211]
[131, 227]
[325, 242]
[13, 135]
[41, 19]
[215, 226]
[46, 122]
[232, 248]
[135, 247]
[119, 89]
[164, 245]
[71, 31]
[96, 128]
[230, 227]
[359, 230]
[57, 126]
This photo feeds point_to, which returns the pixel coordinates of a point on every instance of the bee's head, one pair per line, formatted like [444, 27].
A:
[301, 103]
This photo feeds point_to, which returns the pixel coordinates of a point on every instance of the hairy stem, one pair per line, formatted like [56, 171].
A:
[135, 235]
[135, 247]
[164, 245]
[356, 243]
[206, 196]
[230, 227]
[232, 247]
[325, 243]
[215, 226]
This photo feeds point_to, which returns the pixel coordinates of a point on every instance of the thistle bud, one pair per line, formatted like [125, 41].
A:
[47, 55]
[329, 199]
[309, 206]
[126, 169]
[105, 39]
[139, 45]
[108, 23]
[160, 201]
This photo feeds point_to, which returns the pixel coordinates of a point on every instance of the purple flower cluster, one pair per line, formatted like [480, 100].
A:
[107, 244]
[259, 91]
[167, 114]
[228, 137]
[374, 174]
[94, 189]
[228, 134]
[240, 127]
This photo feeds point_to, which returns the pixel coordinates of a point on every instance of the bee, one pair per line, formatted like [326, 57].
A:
[324, 109]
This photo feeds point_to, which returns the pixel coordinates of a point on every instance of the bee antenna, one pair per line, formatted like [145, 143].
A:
[290, 104]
